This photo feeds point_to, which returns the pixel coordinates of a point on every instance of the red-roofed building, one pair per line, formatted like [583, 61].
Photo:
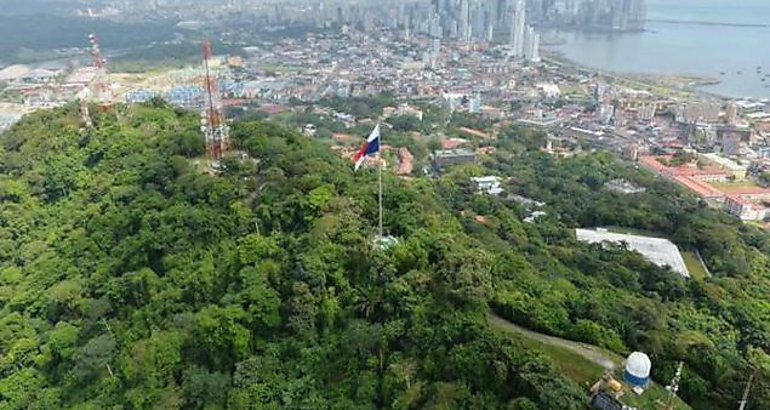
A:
[453, 143]
[474, 133]
[751, 194]
[744, 209]
[702, 189]
[706, 174]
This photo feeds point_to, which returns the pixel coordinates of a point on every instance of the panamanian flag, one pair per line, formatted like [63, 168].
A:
[371, 147]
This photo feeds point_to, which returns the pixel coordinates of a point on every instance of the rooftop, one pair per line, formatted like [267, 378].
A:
[661, 252]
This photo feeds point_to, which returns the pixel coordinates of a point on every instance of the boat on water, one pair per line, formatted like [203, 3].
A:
[722, 73]
[739, 73]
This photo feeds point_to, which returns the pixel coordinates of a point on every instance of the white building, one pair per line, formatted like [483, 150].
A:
[623, 186]
[535, 216]
[647, 112]
[524, 41]
[489, 185]
[744, 209]
[532, 45]
[548, 90]
[519, 29]
[748, 106]
[661, 252]
[465, 20]
[738, 171]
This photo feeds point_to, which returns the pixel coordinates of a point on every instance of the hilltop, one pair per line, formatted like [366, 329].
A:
[131, 279]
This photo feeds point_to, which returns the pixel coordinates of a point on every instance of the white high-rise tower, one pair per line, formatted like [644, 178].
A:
[465, 20]
[532, 45]
[519, 29]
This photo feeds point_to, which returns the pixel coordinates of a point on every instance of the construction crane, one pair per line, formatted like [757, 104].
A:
[213, 122]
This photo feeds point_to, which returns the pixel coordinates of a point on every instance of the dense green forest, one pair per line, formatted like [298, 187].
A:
[132, 279]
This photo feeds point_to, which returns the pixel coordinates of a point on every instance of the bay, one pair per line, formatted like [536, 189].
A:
[725, 52]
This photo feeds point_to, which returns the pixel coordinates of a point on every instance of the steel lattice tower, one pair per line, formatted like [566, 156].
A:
[213, 122]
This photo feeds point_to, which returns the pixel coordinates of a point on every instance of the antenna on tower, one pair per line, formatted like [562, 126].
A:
[101, 89]
[213, 123]
[673, 388]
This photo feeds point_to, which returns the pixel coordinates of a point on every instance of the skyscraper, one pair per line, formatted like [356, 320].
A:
[502, 5]
[479, 18]
[465, 20]
[519, 29]
[532, 45]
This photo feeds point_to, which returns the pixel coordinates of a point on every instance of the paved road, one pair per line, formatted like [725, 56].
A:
[591, 353]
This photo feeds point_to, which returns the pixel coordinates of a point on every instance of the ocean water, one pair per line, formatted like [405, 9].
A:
[729, 54]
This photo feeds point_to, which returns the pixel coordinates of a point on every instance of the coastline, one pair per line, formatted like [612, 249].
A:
[674, 83]
[707, 23]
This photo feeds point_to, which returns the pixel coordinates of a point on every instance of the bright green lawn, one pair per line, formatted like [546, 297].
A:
[696, 269]
[577, 368]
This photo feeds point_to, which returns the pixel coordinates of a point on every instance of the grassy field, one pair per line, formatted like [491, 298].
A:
[577, 368]
[696, 269]
[586, 373]
[652, 399]
[735, 186]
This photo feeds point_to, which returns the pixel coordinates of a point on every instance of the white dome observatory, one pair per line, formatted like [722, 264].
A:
[638, 366]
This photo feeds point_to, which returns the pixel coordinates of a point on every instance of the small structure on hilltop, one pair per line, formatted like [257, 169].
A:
[623, 186]
[637, 373]
[449, 158]
[605, 401]
[489, 185]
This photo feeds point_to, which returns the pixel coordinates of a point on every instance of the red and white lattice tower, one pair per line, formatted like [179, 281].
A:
[213, 122]
[101, 90]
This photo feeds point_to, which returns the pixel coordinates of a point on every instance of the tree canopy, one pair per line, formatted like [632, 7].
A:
[131, 278]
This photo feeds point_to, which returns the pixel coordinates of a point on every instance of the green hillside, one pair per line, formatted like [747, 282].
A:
[585, 365]
[130, 279]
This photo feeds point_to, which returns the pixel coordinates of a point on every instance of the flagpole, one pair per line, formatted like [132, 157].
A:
[379, 163]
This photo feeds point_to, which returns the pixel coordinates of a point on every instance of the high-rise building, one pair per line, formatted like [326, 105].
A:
[524, 41]
[610, 15]
[731, 114]
[518, 28]
[532, 49]
[479, 18]
[435, 52]
[501, 7]
[465, 20]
